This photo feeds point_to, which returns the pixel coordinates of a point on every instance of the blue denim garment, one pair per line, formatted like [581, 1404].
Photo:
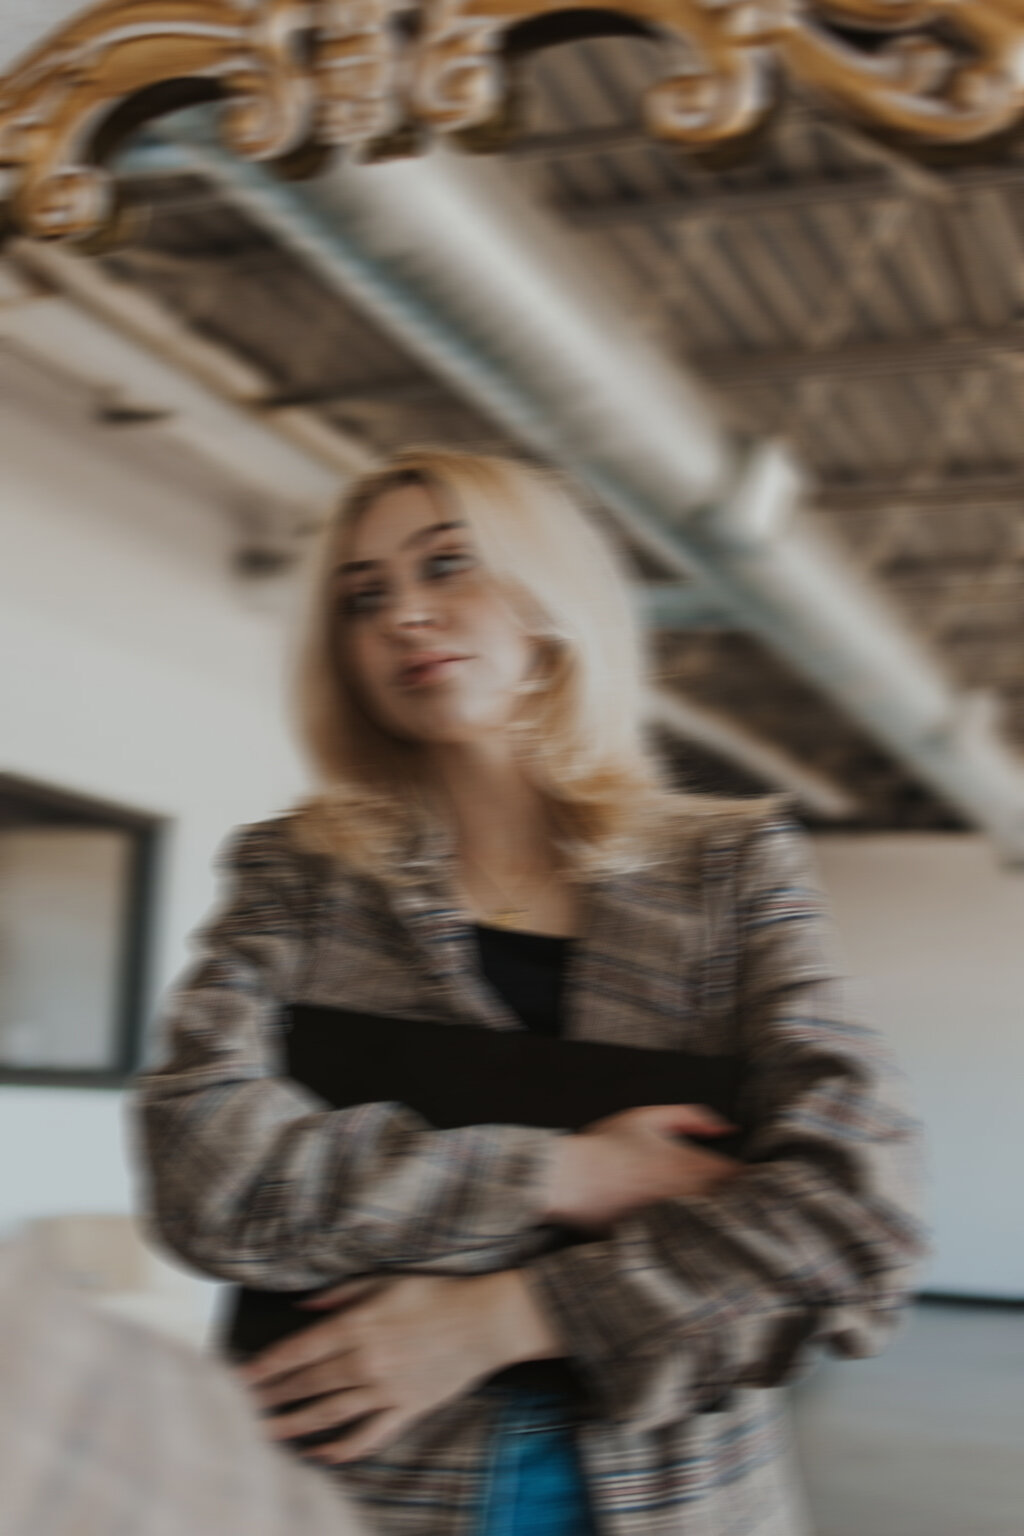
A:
[534, 1484]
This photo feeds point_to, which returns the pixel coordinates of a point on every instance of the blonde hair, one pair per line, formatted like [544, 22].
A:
[579, 725]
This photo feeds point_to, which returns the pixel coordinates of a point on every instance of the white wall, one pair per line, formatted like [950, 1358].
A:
[135, 668]
[933, 931]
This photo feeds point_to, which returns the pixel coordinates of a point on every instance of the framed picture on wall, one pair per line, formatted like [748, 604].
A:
[76, 908]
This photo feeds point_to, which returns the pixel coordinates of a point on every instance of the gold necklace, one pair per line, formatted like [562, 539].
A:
[507, 916]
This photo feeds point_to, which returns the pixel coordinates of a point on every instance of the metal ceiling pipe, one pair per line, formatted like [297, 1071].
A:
[803, 597]
[453, 258]
[473, 287]
[680, 605]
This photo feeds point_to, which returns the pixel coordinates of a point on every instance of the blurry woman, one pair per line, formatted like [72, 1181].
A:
[491, 845]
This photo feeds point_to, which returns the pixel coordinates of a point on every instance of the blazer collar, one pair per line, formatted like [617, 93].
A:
[427, 908]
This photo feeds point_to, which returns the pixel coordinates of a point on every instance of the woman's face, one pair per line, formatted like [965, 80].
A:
[435, 649]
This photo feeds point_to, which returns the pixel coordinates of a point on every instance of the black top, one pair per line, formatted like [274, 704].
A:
[527, 970]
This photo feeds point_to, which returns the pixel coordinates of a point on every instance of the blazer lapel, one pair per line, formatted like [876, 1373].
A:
[625, 975]
[444, 947]
[601, 912]
[635, 978]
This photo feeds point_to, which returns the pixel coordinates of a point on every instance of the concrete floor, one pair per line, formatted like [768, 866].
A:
[926, 1440]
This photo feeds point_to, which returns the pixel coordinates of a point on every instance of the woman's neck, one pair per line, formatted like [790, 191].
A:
[500, 819]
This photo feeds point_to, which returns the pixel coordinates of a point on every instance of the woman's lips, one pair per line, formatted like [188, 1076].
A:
[431, 669]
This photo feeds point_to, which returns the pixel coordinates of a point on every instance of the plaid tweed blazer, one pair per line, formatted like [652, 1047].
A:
[684, 1319]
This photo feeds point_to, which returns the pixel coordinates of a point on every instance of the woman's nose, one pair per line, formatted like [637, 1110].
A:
[411, 609]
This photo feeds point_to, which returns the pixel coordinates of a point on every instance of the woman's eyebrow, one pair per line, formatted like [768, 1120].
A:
[354, 567]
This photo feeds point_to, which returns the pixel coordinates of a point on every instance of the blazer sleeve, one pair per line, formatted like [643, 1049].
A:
[250, 1177]
[815, 1242]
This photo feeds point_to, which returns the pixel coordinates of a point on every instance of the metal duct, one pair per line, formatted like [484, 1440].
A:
[472, 286]
[680, 605]
[451, 255]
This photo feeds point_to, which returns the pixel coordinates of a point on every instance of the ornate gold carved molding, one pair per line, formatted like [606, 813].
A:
[296, 75]
[356, 67]
[55, 101]
[721, 92]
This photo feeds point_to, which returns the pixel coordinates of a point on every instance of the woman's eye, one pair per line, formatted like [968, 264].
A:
[447, 562]
[365, 600]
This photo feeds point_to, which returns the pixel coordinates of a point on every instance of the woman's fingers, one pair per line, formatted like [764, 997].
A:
[334, 1375]
[295, 1353]
[369, 1438]
[344, 1294]
[688, 1119]
[695, 1119]
[708, 1170]
[326, 1413]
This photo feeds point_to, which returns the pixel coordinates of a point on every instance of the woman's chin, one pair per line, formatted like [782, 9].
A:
[446, 730]
[446, 717]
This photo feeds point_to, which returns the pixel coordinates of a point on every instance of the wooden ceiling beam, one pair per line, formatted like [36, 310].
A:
[952, 493]
[772, 197]
[402, 391]
[996, 346]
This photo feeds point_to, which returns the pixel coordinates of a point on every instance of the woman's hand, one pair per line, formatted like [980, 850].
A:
[390, 1351]
[622, 1163]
